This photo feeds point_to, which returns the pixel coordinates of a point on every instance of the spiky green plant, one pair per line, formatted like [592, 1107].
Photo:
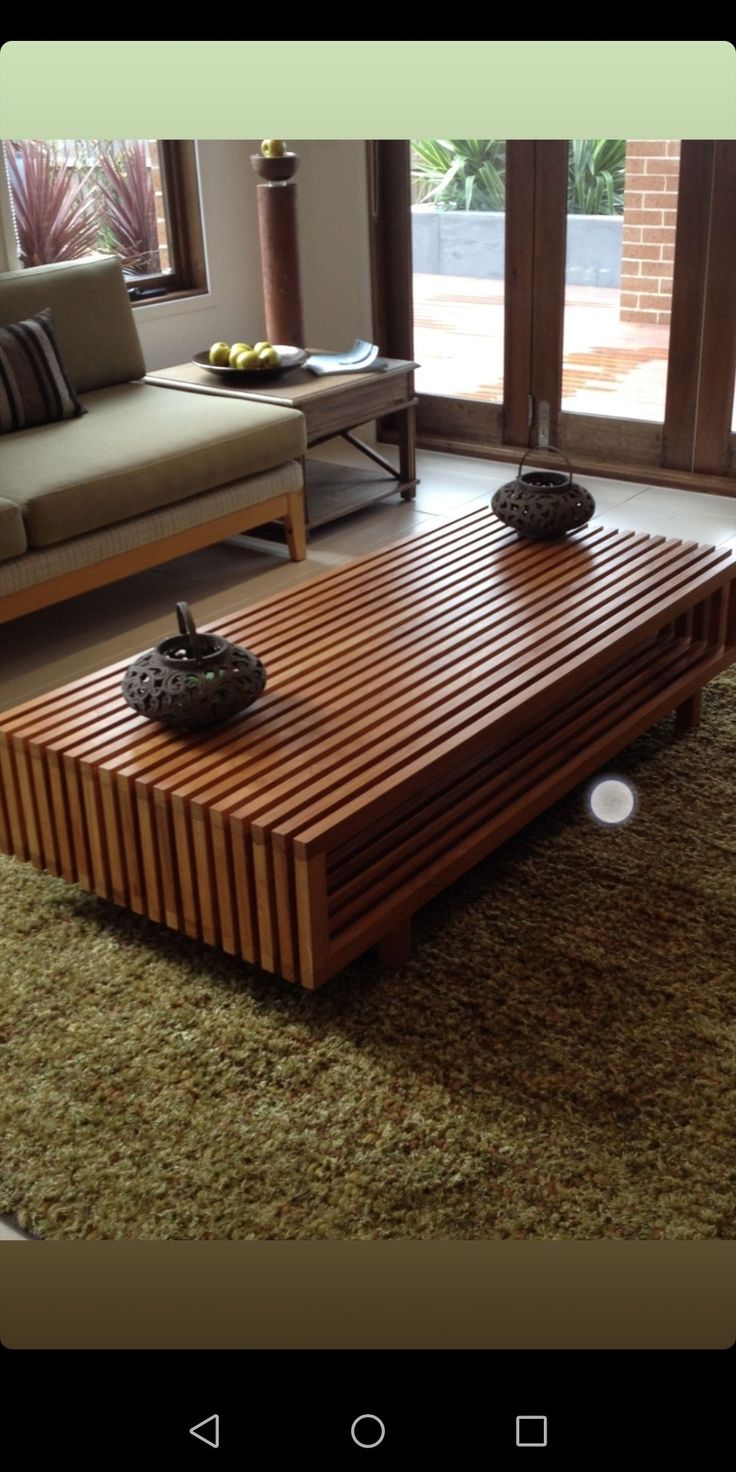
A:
[460, 173]
[53, 207]
[470, 174]
[596, 173]
[129, 207]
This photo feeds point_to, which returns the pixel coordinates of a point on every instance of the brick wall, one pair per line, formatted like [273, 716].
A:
[650, 216]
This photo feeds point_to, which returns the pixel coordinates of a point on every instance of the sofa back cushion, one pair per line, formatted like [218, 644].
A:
[93, 318]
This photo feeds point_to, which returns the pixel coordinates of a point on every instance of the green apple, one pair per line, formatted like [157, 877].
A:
[236, 349]
[219, 354]
[246, 362]
[259, 347]
[269, 358]
[273, 148]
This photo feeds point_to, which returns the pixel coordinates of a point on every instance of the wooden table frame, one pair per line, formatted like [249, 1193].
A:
[332, 406]
[423, 704]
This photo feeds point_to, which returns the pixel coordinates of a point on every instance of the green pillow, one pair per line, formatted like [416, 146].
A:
[34, 385]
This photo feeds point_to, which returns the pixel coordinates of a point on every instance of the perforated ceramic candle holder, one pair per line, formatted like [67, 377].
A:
[193, 680]
[543, 504]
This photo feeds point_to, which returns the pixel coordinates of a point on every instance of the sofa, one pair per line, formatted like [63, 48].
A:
[145, 473]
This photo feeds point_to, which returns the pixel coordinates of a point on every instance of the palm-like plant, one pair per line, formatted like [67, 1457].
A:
[460, 173]
[596, 173]
[129, 207]
[470, 174]
[52, 206]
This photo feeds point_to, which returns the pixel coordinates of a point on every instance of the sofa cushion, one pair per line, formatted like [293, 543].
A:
[13, 538]
[138, 448]
[34, 387]
[93, 318]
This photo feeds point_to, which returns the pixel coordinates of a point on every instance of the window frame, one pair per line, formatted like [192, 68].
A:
[185, 234]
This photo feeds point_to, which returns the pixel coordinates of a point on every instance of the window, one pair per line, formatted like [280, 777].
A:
[136, 198]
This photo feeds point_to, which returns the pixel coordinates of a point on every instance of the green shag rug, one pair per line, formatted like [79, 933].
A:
[558, 1060]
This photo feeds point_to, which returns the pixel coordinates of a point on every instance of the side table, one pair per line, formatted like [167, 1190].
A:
[332, 406]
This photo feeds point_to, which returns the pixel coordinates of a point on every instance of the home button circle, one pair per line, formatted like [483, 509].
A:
[367, 1430]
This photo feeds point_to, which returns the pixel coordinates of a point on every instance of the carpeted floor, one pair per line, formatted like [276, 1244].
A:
[557, 1060]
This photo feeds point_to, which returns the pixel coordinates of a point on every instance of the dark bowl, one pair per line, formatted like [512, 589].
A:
[290, 358]
[275, 170]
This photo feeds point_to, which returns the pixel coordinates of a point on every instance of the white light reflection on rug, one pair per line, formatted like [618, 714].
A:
[611, 801]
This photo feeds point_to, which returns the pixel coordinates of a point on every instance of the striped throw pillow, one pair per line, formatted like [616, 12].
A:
[34, 385]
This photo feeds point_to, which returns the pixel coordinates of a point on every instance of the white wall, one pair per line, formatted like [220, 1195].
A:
[333, 214]
[333, 211]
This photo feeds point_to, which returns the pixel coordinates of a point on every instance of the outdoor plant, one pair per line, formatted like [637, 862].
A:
[470, 174]
[128, 207]
[54, 218]
[460, 173]
[596, 173]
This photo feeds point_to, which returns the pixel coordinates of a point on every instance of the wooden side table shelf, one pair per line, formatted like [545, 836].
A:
[332, 406]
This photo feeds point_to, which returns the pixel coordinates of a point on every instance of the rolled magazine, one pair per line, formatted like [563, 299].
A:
[361, 357]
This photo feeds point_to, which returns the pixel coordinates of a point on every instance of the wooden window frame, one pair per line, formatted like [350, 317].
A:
[188, 276]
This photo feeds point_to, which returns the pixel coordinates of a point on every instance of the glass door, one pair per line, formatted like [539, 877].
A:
[577, 293]
[458, 218]
[621, 229]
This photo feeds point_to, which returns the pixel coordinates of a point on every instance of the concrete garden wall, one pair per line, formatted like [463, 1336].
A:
[471, 243]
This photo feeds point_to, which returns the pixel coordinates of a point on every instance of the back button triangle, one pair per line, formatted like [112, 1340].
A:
[207, 1431]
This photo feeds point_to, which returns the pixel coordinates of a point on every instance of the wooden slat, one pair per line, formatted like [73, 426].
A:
[15, 823]
[244, 886]
[5, 838]
[27, 803]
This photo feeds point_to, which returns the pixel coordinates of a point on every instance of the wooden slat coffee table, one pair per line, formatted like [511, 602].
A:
[423, 704]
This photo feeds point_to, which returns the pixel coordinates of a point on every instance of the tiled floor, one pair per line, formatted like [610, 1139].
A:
[59, 644]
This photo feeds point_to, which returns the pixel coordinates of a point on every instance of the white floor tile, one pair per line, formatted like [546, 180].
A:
[669, 519]
[599, 485]
[369, 529]
[439, 499]
[718, 506]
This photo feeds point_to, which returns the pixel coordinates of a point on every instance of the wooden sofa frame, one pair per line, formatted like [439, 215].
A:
[287, 508]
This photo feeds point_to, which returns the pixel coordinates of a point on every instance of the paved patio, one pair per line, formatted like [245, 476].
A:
[610, 367]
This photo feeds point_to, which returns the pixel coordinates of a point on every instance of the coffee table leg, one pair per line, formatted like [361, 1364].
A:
[394, 948]
[687, 715]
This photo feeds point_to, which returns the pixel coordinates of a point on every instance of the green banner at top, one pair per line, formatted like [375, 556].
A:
[368, 89]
